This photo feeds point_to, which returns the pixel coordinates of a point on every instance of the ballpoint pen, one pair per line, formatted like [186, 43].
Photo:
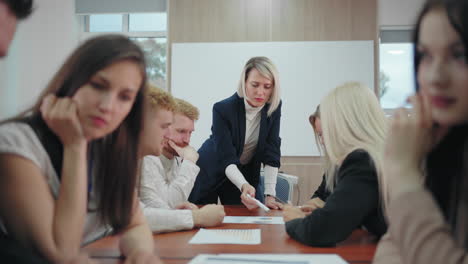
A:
[264, 207]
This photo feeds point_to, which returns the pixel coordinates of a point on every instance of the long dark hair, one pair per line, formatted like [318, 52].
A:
[116, 153]
[20, 8]
[457, 13]
[446, 164]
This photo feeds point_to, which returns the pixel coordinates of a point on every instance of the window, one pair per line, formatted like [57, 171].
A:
[155, 53]
[105, 23]
[149, 30]
[396, 74]
[396, 68]
[147, 22]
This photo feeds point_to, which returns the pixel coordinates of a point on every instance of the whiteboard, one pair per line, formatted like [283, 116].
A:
[205, 73]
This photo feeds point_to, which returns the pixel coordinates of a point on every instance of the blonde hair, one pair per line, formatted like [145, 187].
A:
[187, 109]
[157, 98]
[266, 68]
[351, 119]
[312, 118]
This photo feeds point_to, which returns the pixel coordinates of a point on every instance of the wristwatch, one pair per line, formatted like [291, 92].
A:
[276, 198]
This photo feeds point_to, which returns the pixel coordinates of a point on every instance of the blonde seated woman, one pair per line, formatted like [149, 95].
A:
[353, 131]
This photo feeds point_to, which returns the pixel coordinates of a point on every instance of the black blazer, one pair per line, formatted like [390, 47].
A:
[354, 202]
[226, 143]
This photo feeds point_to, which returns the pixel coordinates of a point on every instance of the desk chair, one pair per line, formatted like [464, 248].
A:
[284, 185]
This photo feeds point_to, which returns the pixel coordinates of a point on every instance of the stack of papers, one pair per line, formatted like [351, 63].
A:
[268, 259]
[253, 220]
[227, 236]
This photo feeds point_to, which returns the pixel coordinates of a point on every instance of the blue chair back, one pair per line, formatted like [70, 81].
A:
[282, 188]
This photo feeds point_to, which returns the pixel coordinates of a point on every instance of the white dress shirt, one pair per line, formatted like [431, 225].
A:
[165, 184]
[167, 220]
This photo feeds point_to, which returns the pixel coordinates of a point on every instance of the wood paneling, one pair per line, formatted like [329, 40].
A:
[271, 20]
[219, 21]
[364, 24]
[309, 171]
[311, 20]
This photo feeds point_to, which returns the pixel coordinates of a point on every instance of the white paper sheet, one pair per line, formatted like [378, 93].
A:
[268, 259]
[227, 236]
[253, 220]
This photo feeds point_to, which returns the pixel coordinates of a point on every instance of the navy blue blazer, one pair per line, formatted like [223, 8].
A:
[226, 143]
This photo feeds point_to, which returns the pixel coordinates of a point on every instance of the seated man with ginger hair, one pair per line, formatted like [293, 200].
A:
[168, 167]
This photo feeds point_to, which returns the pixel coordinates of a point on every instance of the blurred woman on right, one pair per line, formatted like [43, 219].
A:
[426, 153]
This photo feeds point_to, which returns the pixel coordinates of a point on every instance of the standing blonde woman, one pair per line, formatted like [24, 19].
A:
[354, 128]
[245, 133]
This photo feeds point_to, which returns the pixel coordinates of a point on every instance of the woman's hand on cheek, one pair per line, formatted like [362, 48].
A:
[410, 138]
[61, 116]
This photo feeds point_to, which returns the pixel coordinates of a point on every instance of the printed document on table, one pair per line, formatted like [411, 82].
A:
[253, 220]
[227, 236]
[268, 259]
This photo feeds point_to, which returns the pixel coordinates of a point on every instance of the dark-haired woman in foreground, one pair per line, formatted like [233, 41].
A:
[68, 165]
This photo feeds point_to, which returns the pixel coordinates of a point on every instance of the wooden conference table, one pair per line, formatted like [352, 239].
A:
[173, 248]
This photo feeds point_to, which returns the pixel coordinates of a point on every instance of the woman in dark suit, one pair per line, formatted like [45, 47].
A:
[245, 134]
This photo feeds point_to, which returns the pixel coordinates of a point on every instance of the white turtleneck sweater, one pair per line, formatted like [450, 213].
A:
[252, 131]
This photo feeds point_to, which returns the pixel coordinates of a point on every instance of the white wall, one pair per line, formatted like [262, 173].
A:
[41, 44]
[398, 13]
